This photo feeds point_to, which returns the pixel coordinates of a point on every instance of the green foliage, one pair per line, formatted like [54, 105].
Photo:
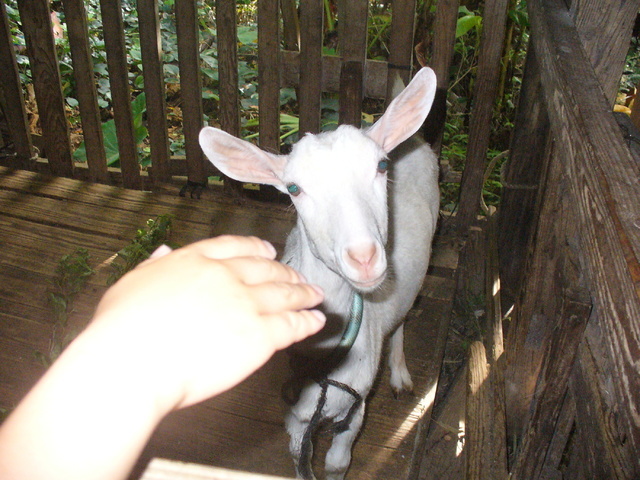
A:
[71, 276]
[142, 246]
[138, 108]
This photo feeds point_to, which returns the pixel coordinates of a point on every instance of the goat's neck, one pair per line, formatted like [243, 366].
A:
[300, 256]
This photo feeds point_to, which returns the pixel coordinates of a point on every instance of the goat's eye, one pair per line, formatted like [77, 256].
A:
[383, 166]
[294, 189]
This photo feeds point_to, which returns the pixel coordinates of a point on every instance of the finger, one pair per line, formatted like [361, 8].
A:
[276, 297]
[287, 328]
[228, 246]
[256, 270]
[161, 251]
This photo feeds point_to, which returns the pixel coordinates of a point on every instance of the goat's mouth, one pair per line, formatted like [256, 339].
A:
[368, 285]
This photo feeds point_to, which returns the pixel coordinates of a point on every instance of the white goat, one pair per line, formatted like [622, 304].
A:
[346, 241]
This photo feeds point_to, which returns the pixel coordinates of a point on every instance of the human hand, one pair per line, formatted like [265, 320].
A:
[200, 319]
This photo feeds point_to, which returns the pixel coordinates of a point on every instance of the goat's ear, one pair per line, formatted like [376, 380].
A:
[241, 160]
[407, 112]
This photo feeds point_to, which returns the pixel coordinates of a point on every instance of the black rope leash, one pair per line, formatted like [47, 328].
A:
[304, 464]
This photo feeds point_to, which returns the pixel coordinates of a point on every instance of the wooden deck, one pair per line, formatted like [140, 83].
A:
[43, 218]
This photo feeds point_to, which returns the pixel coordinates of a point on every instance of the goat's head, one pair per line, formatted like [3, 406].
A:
[336, 180]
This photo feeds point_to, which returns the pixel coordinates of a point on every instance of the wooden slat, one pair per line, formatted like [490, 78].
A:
[598, 165]
[228, 78]
[484, 437]
[329, 68]
[36, 25]
[118, 66]
[13, 100]
[444, 37]
[77, 30]
[290, 24]
[486, 88]
[552, 384]
[351, 93]
[522, 181]
[228, 67]
[352, 27]
[269, 75]
[605, 33]
[310, 67]
[403, 14]
[190, 86]
[151, 49]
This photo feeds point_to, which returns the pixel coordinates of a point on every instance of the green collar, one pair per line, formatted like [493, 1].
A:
[355, 320]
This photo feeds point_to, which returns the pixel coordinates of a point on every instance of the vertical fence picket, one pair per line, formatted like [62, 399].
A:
[117, 64]
[310, 89]
[15, 112]
[352, 25]
[269, 75]
[228, 77]
[190, 87]
[401, 42]
[36, 24]
[78, 32]
[151, 49]
[443, 42]
[493, 33]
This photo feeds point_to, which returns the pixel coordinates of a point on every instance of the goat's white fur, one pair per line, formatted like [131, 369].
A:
[347, 238]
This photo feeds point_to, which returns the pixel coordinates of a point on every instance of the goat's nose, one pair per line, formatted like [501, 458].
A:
[363, 255]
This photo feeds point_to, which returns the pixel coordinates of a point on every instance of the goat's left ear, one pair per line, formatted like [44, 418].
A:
[242, 160]
[407, 112]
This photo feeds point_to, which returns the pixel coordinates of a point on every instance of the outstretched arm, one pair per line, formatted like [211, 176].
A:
[182, 327]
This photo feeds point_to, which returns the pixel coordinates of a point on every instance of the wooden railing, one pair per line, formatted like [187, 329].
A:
[301, 66]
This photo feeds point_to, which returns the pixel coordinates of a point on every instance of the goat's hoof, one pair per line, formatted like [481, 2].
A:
[398, 392]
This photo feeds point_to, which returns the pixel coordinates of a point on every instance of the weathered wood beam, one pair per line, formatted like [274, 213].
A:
[191, 87]
[13, 100]
[487, 79]
[305, 70]
[36, 25]
[443, 42]
[485, 455]
[352, 38]
[601, 176]
[112, 24]
[552, 384]
[268, 75]
[151, 49]
[78, 33]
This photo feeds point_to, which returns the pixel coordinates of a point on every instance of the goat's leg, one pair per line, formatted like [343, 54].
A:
[296, 429]
[339, 454]
[400, 376]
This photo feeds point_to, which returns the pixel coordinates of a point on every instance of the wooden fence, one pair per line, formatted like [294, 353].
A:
[569, 239]
[301, 65]
[568, 233]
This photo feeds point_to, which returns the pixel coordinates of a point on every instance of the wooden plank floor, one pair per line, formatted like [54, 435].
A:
[43, 218]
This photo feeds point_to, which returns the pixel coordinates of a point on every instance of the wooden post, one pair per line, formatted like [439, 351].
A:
[444, 39]
[485, 455]
[403, 15]
[13, 99]
[120, 91]
[552, 383]
[78, 32]
[598, 166]
[191, 87]
[523, 178]
[36, 24]
[493, 32]
[226, 25]
[269, 75]
[352, 35]
[151, 49]
[311, 15]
